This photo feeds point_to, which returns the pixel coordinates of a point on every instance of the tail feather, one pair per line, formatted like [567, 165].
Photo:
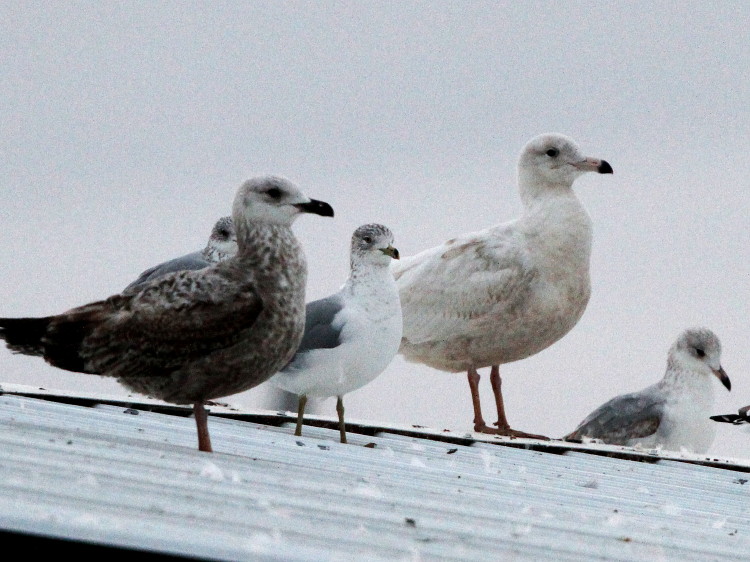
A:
[24, 335]
[62, 346]
[55, 338]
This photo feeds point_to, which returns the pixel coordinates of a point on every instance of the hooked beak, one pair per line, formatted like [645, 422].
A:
[594, 165]
[316, 207]
[722, 376]
[390, 251]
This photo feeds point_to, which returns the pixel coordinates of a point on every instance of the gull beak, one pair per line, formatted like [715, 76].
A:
[316, 207]
[390, 251]
[722, 376]
[594, 165]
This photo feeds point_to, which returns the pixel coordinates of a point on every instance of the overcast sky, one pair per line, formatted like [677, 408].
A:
[125, 129]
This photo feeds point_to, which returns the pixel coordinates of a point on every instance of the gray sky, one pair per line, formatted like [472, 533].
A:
[125, 129]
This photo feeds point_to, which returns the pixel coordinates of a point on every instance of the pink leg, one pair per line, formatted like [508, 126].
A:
[201, 422]
[473, 377]
[503, 428]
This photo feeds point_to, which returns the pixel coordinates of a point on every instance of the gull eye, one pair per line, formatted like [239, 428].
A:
[274, 193]
[552, 152]
[367, 239]
[699, 352]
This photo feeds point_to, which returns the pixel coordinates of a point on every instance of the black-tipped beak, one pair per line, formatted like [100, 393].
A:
[316, 207]
[604, 168]
[390, 251]
[722, 376]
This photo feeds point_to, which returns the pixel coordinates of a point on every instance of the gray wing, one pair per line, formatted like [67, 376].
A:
[625, 417]
[188, 262]
[320, 331]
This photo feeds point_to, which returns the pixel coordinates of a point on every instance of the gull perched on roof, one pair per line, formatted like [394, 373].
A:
[222, 245]
[351, 336]
[192, 336]
[505, 293]
[672, 414]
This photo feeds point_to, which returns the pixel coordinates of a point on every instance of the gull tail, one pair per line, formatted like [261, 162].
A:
[57, 339]
[24, 335]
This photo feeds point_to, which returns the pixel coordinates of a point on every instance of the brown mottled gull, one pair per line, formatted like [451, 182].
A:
[505, 293]
[193, 336]
[222, 245]
[674, 413]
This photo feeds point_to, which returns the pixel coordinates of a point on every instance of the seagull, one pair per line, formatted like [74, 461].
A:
[742, 416]
[505, 293]
[222, 245]
[673, 413]
[351, 336]
[193, 336]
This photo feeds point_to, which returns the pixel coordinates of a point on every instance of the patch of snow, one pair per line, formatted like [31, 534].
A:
[368, 491]
[671, 509]
[210, 470]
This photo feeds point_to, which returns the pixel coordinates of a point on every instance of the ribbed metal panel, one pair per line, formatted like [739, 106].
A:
[105, 475]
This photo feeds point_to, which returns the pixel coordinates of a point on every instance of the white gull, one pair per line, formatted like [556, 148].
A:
[505, 293]
[674, 413]
[351, 336]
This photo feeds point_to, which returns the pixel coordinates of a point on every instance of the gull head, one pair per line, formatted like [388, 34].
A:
[373, 244]
[555, 159]
[698, 350]
[273, 200]
[223, 239]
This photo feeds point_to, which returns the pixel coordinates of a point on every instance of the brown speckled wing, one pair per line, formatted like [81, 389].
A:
[183, 317]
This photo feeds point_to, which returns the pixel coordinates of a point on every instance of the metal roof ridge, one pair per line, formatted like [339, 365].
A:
[278, 418]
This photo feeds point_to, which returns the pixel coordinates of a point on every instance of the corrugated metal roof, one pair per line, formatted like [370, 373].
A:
[99, 473]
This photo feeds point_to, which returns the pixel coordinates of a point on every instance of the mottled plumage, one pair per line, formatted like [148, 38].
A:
[351, 336]
[222, 245]
[507, 292]
[671, 414]
[192, 336]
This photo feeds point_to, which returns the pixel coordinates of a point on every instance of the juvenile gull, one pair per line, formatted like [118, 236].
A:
[192, 336]
[505, 293]
[222, 245]
[352, 335]
[672, 414]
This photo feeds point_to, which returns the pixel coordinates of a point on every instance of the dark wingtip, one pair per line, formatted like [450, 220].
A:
[316, 207]
[734, 419]
[605, 168]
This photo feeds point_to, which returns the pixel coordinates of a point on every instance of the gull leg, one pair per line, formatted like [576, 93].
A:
[503, 427]
[300, 414]
[473, 377]
[340, 412]
[201, 422]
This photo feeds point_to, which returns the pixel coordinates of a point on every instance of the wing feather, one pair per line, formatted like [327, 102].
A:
[630, 416]
[171, 321]
[456, 287]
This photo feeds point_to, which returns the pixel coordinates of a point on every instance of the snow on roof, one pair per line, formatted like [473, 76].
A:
[128, 475]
